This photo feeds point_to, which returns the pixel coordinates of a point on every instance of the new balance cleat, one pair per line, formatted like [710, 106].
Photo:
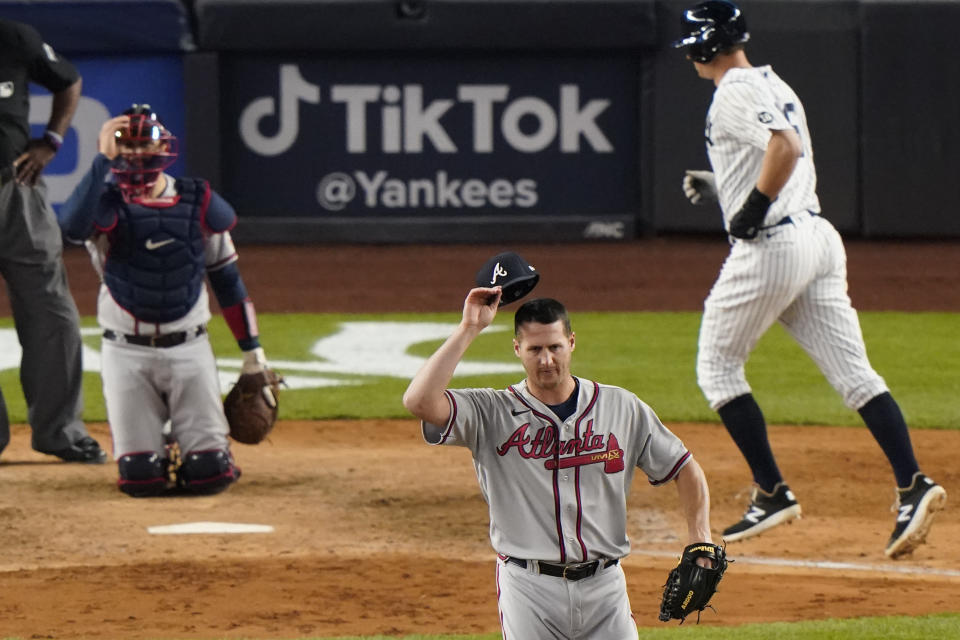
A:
[766, 511]
[916, 506]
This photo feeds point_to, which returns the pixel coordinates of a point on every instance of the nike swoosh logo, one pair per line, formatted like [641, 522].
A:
[516, 413]
[151, 245]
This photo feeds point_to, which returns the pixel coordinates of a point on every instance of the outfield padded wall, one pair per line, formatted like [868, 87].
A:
[107, 26]
[445, 25]
[910, 99]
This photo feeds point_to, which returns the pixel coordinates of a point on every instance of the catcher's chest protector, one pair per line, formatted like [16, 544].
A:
[155, 268]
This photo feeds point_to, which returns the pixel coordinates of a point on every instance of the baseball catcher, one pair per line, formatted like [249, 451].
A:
[251, 405]
[690, 585]
[156, 241]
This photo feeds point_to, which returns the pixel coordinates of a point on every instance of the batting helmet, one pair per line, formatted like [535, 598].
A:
[146, 148]
[711, 27]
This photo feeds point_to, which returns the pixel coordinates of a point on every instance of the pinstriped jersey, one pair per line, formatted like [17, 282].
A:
[557, 490]
[747, 105]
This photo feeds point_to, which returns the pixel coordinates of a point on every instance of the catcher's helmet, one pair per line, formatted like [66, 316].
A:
[146, 149]
[711, 27]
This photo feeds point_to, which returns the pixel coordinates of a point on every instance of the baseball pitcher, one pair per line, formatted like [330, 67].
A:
[554, 455]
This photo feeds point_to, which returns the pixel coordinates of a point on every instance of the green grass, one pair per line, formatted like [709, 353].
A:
[652, 354]
[940, 627]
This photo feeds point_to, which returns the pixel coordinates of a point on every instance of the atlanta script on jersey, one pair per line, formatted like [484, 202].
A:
[556, 489]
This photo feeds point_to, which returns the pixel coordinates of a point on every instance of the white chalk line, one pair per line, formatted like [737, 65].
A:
[822, 564]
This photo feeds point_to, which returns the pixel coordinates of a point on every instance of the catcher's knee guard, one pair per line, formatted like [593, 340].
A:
[142, 474]
[207, 472]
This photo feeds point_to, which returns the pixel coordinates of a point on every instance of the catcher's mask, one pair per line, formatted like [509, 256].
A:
[145, 148]
[709, 28]
[509, 270]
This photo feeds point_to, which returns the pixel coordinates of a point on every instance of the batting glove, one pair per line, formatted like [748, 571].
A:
[700, 187]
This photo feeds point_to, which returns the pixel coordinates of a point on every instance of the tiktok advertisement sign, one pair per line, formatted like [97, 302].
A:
[402, 137]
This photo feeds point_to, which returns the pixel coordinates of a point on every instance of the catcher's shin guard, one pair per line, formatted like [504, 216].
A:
[142, 474]
[207, 472]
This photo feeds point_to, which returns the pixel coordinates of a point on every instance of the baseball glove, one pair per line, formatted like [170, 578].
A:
[689, 586]
[251, 405]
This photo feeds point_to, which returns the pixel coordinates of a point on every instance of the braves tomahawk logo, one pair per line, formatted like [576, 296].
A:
[590, 448]
[498, 272]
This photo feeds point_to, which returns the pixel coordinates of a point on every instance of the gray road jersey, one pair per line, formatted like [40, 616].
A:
[563, 503]
[747, 105]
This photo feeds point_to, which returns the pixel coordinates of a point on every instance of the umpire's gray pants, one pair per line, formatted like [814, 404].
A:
[45, 316]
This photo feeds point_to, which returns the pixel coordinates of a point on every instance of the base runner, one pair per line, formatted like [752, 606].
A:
[787, 264]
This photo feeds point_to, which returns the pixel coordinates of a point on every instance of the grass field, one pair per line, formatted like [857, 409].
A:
[652, 354]
[940, 627]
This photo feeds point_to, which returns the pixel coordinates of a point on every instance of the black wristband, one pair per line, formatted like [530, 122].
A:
[757, 201]
[746, 224]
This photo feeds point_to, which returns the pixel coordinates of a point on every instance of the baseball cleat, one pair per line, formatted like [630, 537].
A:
[766, 511]
[915, 506]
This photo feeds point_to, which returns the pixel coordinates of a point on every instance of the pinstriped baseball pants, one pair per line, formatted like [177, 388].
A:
[795, 274]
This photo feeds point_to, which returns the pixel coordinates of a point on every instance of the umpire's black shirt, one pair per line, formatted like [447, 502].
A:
[25, 57]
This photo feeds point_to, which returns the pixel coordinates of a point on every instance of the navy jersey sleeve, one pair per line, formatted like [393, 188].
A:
[88, 206]
[219, 216]
[45, 66]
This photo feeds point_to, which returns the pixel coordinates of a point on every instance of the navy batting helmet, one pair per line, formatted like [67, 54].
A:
[711, 27]
[146, 148]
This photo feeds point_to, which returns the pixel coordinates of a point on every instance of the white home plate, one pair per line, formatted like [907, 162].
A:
[209, 527]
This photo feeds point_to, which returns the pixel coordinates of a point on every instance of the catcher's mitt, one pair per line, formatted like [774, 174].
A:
[689, 586]
[251, 406]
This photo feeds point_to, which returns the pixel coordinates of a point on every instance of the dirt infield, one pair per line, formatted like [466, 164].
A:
[376, 533]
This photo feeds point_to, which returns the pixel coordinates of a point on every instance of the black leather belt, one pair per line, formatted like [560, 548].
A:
[163, 341]
[572, 572]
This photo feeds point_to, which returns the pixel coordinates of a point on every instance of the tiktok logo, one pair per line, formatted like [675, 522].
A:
[293, 89]
[411, 123]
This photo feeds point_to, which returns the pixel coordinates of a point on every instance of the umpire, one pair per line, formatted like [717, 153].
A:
[31, 260]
